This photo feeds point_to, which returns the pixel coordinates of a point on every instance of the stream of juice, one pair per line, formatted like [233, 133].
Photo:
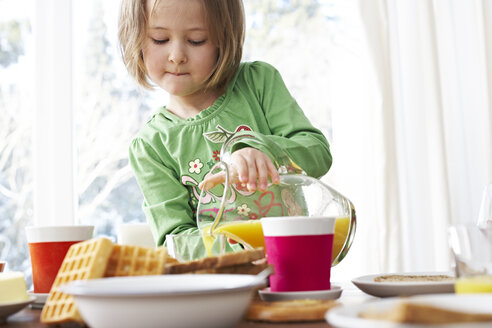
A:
[251, 233]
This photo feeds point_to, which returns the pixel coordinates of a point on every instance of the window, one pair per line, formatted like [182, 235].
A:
[303, 30]
[108, 107]
[16, 126]
[64, 135]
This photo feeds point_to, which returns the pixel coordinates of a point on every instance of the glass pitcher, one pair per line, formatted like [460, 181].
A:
[229, 209]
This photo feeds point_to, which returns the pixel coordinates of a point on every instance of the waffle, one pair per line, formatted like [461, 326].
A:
[98, 258]
[84, 260]
[127, 260]
[212, 264]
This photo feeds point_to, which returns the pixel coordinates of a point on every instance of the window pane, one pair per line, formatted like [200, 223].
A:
[295, 37]
[108, 111]
[16, 103]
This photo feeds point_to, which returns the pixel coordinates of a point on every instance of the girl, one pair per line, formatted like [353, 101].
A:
[192, 49]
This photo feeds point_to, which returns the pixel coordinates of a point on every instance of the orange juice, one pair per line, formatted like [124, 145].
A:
[342, 225]
[251, 233]
[245, 232]
[46, 260]
[473, 284]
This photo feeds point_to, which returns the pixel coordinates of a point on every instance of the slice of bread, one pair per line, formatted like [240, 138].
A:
[290, 311]
[245, 268]
[412, 278]
[419, 313]
[211, 264]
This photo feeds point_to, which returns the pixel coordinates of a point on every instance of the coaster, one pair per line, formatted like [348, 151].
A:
[330, 294]
[40, 299]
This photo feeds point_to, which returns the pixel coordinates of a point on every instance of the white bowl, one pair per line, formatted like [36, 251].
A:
[184, 300]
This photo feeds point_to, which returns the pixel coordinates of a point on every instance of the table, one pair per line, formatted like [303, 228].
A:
[29, 318]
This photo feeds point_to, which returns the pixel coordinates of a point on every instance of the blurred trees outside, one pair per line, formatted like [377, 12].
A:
[295, 36]
[16, 196]
[109, 111]
[11, 46]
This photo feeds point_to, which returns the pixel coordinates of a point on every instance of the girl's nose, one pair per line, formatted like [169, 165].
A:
[177, 55]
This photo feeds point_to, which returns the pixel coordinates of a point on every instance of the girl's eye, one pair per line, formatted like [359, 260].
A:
[197, 42]
[156, 41]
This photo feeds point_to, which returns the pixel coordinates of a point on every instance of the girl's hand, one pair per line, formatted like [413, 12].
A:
[249, 166]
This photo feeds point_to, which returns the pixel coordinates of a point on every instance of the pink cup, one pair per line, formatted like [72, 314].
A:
[299, 248]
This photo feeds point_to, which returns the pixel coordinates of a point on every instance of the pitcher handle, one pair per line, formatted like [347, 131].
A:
[225, 168]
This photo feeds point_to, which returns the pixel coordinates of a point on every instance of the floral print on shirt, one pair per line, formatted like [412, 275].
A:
[240, 203]
[195, 166]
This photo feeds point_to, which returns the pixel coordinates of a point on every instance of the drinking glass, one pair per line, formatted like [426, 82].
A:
[485, 214]
[48, 246]
[187, 247]
[472, 250]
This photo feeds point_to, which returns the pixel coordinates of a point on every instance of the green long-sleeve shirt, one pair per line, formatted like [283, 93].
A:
[170, 155]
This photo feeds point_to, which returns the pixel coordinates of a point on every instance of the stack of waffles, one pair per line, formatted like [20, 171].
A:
[99, 258]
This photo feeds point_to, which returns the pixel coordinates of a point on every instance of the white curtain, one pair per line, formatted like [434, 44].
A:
[414, 149]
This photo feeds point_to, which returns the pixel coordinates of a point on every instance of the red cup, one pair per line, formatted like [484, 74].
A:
[48, 246]
[300, 249]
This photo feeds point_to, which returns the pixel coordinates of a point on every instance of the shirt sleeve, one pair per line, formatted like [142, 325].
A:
[166, 200]
[289, 127]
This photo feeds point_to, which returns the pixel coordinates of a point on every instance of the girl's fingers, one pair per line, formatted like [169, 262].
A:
[244, 161]
[211, 180]
[262, 170]
[252, 175]
[273, 172]
[240, 166]
[250, 167]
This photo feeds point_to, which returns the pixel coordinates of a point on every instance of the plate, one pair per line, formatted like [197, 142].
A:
[166, 285]
[7, 309]
[331, 294]
[178, 300]
[40, 299]
[390, 289]
[347, 316]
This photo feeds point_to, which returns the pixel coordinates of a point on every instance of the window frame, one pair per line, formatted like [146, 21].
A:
[53, 153]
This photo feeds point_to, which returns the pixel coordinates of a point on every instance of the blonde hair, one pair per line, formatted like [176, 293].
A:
[225, 19]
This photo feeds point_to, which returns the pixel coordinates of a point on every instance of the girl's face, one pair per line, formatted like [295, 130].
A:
[178, 53]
